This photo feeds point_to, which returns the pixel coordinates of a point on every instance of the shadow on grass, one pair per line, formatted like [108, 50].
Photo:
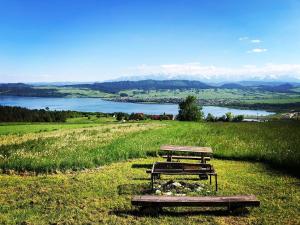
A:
[167, 178]
[134, 189]
[156, 212]
[141, 178]
[146, 166]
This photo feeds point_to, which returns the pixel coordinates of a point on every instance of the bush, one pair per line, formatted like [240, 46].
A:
[136, 116]
[238, 118]
[123, 95]
[210, 118]
[122, 116]
[161, 117]
[229, 116]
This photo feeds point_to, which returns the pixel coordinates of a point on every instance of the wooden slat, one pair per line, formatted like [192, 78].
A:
[181, 168]
[186, 157]
[192, 149]
[212, 201]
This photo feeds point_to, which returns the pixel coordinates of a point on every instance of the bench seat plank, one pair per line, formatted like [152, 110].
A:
[186, 157]
[207, 201]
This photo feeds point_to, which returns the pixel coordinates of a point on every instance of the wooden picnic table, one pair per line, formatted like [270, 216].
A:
[171, 149]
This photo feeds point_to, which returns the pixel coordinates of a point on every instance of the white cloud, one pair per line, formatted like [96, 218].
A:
[257, 50]
[243, 38]
[214, 73]
[255, 41]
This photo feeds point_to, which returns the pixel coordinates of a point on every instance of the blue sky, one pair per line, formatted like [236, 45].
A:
[96, 40]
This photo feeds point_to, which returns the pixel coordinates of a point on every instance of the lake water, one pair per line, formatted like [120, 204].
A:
[99, 105]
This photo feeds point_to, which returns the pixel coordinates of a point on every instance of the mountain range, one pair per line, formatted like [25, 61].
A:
[21, 89]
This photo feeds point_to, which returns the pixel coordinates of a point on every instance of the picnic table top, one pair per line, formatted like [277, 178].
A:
[192, 149]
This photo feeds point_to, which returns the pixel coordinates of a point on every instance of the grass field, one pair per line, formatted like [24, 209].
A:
[79, 92]
[63, 149]
[276, 143]
[72, 123]
[103, 197]
[78, 191]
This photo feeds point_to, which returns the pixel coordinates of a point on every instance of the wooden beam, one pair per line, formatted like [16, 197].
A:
[205, 201]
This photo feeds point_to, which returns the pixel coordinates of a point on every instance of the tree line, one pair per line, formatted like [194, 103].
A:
[19, 114]
[189, 110]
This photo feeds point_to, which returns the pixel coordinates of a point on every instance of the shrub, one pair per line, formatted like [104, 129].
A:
[229, 116]
[238, 118]
[210, 118]
[123, 95]
[136, 116]
[122, 116]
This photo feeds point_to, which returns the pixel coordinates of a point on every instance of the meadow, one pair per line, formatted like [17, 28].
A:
[275, 143]
[86, 170]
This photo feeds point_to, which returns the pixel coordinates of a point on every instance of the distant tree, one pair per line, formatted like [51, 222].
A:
[229, 116]
[119, 116]
[210, 117]
[123, 95]
[136, 116]
[122, 116]
[189, 110]
[222, 118]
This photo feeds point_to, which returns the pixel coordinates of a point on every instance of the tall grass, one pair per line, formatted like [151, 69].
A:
[63, 149]
[276, 143]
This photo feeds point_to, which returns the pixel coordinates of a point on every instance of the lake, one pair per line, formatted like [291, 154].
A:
[99, 105]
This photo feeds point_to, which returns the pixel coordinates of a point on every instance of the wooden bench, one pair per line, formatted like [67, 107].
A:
[179, 168]
[202, 159]
[231, 202]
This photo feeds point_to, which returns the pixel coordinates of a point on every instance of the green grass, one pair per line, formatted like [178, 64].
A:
[73, 194]
[79, 92]
[103, 196]
[63, 149]
[91, 120]
[72, 123]
[276, 143]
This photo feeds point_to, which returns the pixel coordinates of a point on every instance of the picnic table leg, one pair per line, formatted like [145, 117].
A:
[210, 179]
[152, 181]
[202, 158]
[169, 159]
[216, 178]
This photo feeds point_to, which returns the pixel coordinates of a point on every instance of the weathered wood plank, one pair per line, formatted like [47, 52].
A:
[186, 157]
[192, 149]
[209, 201]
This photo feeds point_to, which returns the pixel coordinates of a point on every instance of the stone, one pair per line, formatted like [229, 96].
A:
[199, 189]
[158, 192]
[176, 184]
[180, 194]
